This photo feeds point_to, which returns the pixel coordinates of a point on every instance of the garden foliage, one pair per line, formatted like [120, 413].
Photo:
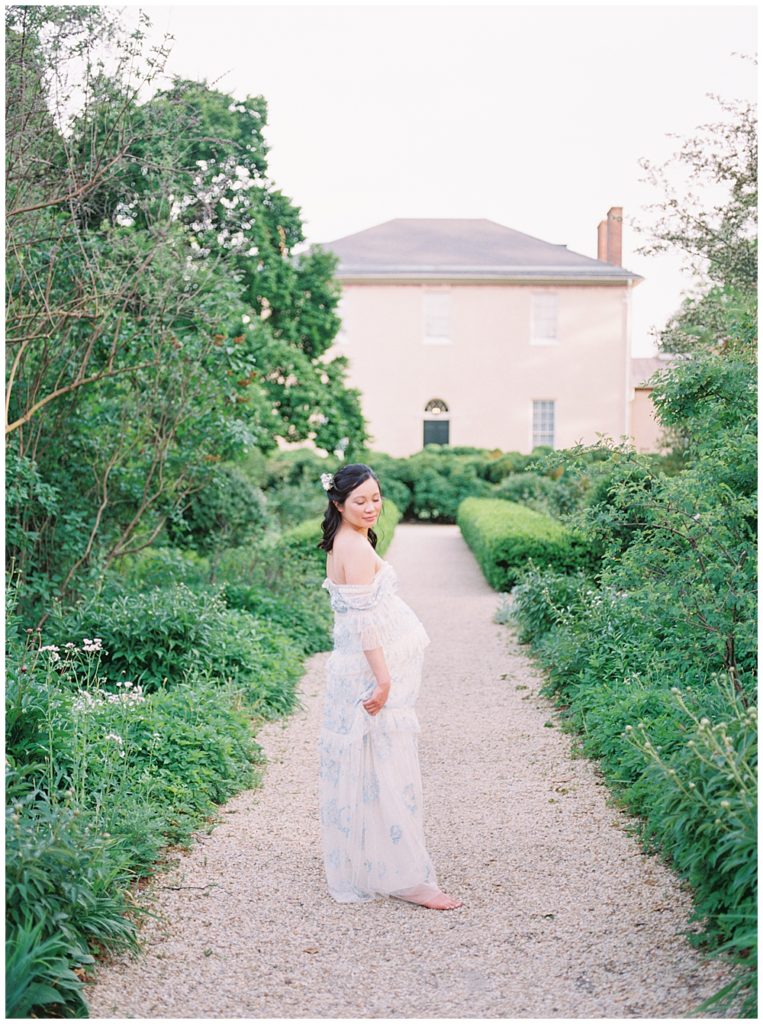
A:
[504, 536]
[159, 322]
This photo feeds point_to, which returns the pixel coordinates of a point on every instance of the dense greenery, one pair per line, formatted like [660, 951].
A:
[158, 321]
[429, 485]
[504, 536]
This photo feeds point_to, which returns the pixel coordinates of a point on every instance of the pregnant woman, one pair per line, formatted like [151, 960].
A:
[370, 795]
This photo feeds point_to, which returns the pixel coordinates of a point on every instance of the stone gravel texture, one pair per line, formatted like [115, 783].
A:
[564, 915]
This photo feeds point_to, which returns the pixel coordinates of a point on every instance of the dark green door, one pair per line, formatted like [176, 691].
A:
[436, 432]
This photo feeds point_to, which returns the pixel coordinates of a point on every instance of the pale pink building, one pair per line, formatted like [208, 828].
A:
[466, 332]
[645, 427]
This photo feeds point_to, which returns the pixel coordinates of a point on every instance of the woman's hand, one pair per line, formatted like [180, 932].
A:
[378, 698]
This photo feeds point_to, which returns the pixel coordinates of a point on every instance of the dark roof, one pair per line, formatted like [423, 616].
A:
[461, 248]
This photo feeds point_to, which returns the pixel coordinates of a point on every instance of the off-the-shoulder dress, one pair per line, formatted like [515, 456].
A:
[370, 792]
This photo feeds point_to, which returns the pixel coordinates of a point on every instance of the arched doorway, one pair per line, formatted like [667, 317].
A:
[436, 422]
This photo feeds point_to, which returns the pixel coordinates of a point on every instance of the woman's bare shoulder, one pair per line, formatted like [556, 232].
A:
[353, 558]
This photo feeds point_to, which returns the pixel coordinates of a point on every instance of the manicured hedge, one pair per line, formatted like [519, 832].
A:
[504, 536]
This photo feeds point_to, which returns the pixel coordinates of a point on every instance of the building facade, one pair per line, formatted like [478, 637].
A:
[646, 430]
[466, 332]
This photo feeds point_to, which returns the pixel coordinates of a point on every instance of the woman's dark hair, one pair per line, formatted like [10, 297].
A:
[345, 481]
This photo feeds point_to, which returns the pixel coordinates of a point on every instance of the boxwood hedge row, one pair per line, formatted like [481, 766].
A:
[505, 536]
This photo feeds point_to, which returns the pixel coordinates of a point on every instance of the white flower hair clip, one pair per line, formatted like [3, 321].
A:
[327, 479]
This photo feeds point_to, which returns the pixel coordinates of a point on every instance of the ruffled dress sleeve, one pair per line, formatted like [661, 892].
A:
[361, 616]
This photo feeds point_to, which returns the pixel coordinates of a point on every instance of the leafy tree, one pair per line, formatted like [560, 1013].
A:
[158, 321]
[718, 240]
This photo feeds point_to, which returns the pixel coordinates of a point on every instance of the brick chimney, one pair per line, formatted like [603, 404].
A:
[610, 237]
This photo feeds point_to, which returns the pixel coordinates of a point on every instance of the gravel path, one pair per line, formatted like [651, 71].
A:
[564, 915]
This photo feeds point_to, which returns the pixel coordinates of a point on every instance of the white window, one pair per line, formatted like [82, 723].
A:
[436, 315]
[543, 422]
[545, 318]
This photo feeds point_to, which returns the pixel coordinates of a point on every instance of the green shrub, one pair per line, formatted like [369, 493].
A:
[161, 636]
[117, 776]
[161, 567]
[191, 746]
[61, 892]
[440, 479]
[430, 484]
[227, 511]
[284, 591]
[705, 812]
[506, 464]
[270, 690]
[38, 973]
[253, 578]
[158, 636]
[545, 598]
[293, 485]
[543, 494]
[505, 536]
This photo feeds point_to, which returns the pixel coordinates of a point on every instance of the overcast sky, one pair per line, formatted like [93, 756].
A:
[534, 117]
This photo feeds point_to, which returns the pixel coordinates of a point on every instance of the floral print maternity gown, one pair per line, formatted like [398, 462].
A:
[370, 783]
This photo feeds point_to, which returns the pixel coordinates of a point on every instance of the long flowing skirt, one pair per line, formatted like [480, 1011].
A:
[370, 792]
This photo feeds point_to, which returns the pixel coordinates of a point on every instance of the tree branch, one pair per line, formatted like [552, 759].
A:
[70, 387]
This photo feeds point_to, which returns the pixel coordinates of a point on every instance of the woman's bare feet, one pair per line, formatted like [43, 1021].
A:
[442, 902]
[429, 896]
